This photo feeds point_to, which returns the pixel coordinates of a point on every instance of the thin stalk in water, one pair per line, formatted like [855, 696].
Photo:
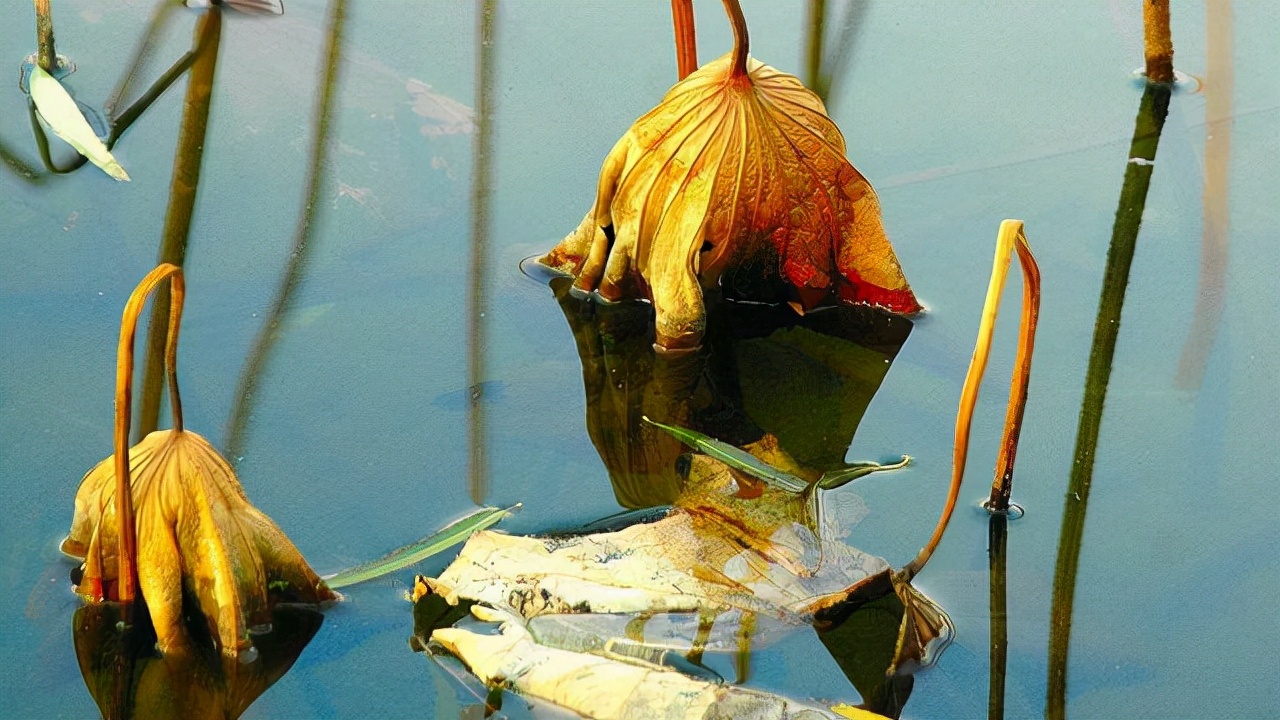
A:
[477, 302]
[686, 38]
[997, 539]
[264, 343]
[46, 52]
[1010, 237]
[187, 161]
[1115, 279]
[1157, 41]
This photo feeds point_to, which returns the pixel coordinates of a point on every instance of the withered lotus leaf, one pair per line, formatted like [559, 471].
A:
[193, 534]
[737, 178]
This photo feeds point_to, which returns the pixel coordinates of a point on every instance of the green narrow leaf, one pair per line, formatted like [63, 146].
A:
[452, 534]
[833, 479]
[59, 110]
[736, 458]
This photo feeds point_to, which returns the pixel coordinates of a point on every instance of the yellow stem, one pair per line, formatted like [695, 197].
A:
[1010, 236]
[1002, 483]
[686, 38]
[128, 568]
[741, 43]
[1157, 41]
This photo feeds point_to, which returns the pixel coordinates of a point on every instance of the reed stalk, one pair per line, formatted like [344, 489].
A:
[1115, 279]
[686, 37]
[46, 51]
[1157, 41]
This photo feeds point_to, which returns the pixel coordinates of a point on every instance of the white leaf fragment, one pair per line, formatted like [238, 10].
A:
[67, 122]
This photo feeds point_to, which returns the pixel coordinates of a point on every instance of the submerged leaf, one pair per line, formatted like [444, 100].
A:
[62, 114]
[197, 534]
[741, 180]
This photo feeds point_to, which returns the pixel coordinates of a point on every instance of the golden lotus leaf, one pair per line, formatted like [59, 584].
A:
[197, 535]
[737, 179]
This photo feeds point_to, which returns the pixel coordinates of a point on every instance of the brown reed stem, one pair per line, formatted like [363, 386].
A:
[46, 52]
[686, 38]
[1157, 41]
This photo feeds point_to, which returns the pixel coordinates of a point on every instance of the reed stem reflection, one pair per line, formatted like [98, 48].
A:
[1133, 197]
[477, 300]
[263, 345]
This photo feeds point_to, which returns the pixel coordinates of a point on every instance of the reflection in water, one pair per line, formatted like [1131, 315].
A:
[1133, 197]
[477, 455]
[823, 71]
[997, 539]
[740, 560]
[1219, 86]
[127, 678]
[264, 343]
[182, 202]
[764, 377]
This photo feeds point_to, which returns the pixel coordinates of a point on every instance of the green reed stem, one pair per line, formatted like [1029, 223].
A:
[1133, 197]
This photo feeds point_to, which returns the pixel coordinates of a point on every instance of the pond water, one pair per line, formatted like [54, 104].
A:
[357, 436]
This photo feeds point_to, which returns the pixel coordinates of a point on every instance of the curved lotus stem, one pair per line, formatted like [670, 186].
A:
[686, 39]
[741, 44]
[1010, 237]
[128, 569]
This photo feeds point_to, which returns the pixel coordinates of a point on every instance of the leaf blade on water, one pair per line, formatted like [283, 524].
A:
[734, 457]
[63, 116]
[400, 558]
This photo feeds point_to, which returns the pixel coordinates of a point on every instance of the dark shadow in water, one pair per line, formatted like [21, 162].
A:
[1133, 197]
[128, 679]
[187, 160]
[763, 374]
[1219, 86]
[260, 354]
[477, 271]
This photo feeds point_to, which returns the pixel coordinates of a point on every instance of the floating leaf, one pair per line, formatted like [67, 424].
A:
[63, 116]
[450, 535]
[737, 178]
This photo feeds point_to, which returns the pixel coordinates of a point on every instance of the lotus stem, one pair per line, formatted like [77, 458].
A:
[741, 43]
[1002, 484]
[46, 53]
[183, 186]
[128, 552]
[813, 45]
[1157, 41]
[1010, 235]
[686, 38]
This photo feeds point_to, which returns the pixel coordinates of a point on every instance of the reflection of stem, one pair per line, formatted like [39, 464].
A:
[182, 202]
[997, 537]
[741, 43]
[1157, 40]
[813, 44]
[686, 38]
[1219, 84]
[1124, 237]
[162, 13]
[19, 166]
[1010, 237]
[834, 66]
[46, 53]
[477, 458]
[260, 353]
[128, 550]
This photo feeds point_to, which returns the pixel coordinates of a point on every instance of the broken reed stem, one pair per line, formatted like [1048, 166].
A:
[813, 45]
[1157, 41]
[741, 43]
[1009, 236]
[46, 52]
[997, 557]
[686, 38]
[1002, 483]
[128, 551]
[185, 181]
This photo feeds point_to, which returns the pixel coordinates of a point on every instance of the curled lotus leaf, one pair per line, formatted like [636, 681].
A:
[737, 179]
[197, 533]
